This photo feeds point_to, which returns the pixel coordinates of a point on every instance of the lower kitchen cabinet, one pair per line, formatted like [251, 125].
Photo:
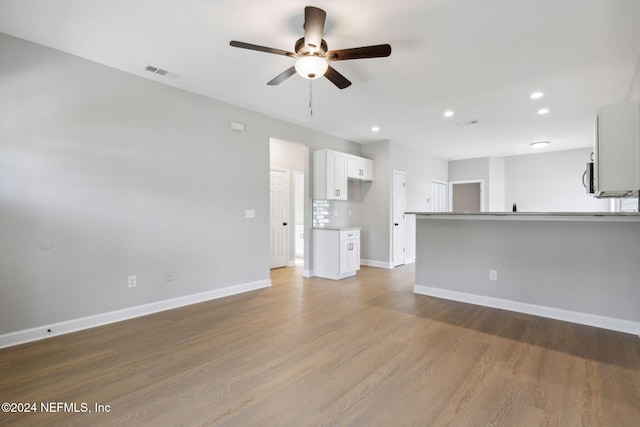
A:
[336, 252]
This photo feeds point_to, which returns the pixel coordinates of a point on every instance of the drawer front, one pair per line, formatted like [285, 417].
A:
[350, 234]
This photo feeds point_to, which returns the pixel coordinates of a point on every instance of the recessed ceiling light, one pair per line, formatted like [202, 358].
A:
[543, 111]
[536, 95]
[448, 113]
[539, 144]
[375, 129]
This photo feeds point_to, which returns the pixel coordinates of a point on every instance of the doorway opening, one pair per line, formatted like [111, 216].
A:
[293, 159]
[466, 196]
[278, 217]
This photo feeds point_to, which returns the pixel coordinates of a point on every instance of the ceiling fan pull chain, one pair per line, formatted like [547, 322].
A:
[310, 98]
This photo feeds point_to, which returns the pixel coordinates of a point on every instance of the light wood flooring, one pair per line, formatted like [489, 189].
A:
[362, 351]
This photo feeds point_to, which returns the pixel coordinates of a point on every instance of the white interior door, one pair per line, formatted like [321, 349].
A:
[399, 202]
[279, 213]
[439, 196]
[298, 213]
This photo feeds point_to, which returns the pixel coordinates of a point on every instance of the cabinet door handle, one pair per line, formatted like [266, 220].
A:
[284, 223]
[395, 223]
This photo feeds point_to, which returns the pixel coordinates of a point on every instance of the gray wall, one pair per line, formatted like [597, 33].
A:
[497, 185]
[582, 266]
[376, 197]
[421, 169]
[551, 181]
[375, 241]
[124, 176]
[466, 197]
[471, 170]
[541, 182]
[634, 89]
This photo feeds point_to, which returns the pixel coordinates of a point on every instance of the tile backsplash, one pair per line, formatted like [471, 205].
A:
[324, 213]
[629, 205]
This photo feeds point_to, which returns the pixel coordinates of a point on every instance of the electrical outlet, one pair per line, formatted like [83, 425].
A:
[168, 276]
[133, 281]
[493, 274]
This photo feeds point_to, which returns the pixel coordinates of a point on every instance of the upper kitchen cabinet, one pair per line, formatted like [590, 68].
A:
[359, 168]
[329, 175]
[617, 150]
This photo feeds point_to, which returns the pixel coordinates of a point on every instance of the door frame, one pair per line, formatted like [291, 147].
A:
[403, 238]
[298, 218]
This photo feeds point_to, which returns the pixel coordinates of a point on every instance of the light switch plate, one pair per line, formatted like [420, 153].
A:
[250, 213]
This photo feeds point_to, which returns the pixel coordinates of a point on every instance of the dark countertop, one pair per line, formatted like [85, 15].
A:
[566, 216]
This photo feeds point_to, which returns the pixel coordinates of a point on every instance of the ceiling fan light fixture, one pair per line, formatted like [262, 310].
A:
[311, 67]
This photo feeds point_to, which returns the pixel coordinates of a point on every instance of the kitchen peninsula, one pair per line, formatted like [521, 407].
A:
[579, 267]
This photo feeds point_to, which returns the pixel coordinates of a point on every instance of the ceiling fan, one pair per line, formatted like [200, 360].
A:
[312, 53]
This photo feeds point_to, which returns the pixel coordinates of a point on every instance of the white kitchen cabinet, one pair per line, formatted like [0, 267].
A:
[336, 252]
[349, 255]
[617, 150]
[329, 175]
[359, 168]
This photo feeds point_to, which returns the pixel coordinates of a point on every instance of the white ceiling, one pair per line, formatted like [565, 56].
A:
[481, 59]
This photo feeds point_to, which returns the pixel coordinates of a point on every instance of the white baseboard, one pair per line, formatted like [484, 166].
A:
[41, 332]
[604, 322]
[308, 273]
[379, 264]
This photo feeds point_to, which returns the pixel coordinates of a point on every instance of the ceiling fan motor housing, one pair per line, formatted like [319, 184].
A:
[313, 55]
[303, 50]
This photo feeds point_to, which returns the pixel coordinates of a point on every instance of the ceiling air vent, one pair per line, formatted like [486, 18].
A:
[161, 72]
[467, 123]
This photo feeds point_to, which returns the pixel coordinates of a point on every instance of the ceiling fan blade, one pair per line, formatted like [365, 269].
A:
[313, 27]
[377, 51]
[336, 78]
[282, 76]
[250, 46]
